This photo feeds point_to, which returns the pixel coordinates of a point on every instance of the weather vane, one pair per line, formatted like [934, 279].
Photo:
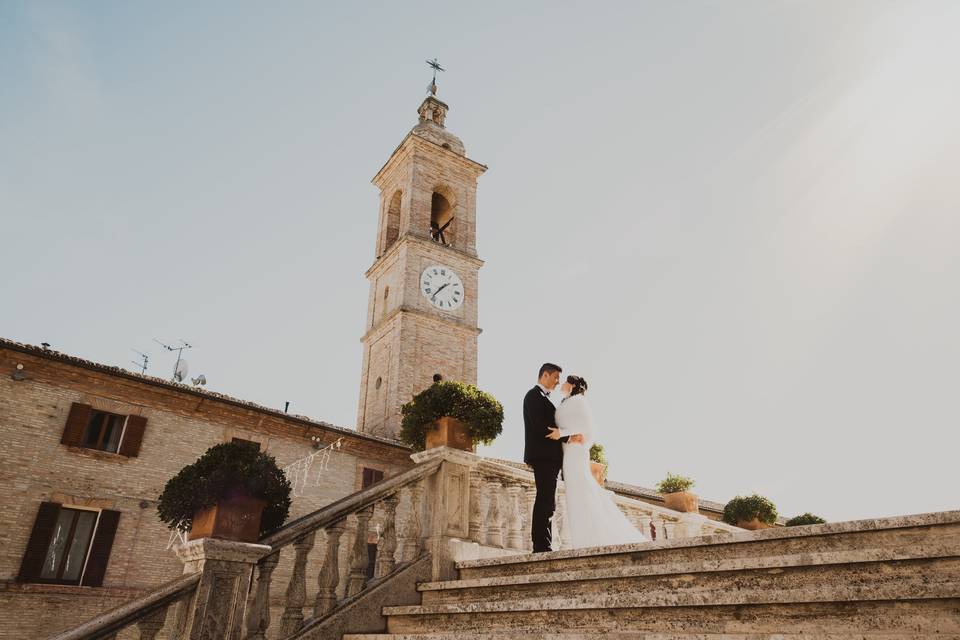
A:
[433, 64]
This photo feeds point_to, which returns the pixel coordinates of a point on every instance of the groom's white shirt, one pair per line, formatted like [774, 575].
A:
[544, 390]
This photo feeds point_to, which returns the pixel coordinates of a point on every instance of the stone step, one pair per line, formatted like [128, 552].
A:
[600, 616]
[937, 533]
[642, 635]
[842, 576]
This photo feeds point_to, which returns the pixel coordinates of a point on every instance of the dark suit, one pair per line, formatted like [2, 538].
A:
[546, 458]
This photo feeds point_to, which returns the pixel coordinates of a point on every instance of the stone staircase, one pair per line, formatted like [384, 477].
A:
[886, 578]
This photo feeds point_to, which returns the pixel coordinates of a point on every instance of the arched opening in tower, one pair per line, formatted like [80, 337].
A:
[441, 219]
[393, 220]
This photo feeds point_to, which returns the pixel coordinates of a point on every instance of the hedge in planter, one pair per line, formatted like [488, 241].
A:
[480, 411]
[745, 509]
[674, 484]
[806, 518]
[222, 470]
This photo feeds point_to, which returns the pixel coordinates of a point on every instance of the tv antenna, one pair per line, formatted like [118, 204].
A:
[180, 368]
[144, 360]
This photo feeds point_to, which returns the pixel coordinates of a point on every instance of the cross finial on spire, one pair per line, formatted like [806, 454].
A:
[433, 64]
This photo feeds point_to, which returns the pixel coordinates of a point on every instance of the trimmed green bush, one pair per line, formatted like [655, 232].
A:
[674, 484]
[597, 454]
[477, 409]
[806, 518]
[744, 509]
[225, 470]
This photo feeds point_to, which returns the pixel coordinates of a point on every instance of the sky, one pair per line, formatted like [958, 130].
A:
[738, 220]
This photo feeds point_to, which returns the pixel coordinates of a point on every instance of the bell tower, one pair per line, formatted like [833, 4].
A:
[422, 309]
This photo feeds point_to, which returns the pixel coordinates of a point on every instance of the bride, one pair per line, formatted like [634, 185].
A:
[593, 518]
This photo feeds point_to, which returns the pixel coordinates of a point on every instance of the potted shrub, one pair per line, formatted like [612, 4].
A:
[676, 495]
[598, 463]
[806, 518]
[233, 491]
[750, 512]
[451, 414]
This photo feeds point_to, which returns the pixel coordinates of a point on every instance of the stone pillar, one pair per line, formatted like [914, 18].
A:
[494, 516]
[693, 524]
[215, 610]
[514, 519]
[448, 506]
[530, 493]
[476, 512]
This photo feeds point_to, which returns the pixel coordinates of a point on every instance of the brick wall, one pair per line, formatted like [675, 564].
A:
[181, 424]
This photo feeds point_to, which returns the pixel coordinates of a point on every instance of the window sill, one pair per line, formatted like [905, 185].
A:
[96, 454]
[40, 588]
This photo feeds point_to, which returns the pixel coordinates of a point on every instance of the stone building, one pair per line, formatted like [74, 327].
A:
[88, 449]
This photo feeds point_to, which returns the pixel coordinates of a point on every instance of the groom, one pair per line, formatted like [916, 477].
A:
[545, 455]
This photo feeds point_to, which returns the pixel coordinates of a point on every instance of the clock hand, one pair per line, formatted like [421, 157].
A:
[434, 296]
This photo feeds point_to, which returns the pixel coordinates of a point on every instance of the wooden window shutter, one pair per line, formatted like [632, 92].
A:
[36, 551]
[77, 421]
[371, 477]
[100, 550]
[133, 436]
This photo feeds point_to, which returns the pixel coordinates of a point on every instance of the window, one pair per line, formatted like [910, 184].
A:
[69, 546]
[249, 443]
[103, 431]
[371, 477]
[100, 430]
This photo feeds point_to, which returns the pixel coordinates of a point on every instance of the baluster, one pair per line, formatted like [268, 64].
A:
[292, 617]
[414, 528]
[514, 521]
[562, 532]
[258, 618]
[476, 514]
[643, 524]
[494, 532]
[531, 495]
[361, 558]
[657, 523]
[329, 576]
[669, 530]
[150, 625]
[388, 539]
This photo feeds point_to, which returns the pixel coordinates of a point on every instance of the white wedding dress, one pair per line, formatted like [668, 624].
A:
[592, 519]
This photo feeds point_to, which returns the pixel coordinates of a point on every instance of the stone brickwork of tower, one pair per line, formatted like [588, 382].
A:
[422, 310]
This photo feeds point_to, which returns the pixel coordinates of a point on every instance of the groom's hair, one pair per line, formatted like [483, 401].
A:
[549, 367]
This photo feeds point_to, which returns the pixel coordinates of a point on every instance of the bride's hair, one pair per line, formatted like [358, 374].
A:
[579, 385]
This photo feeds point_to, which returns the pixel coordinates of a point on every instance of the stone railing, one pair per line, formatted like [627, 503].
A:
[382, 499]
[452, 506]
[213, 593]
[147, 613]
[501, 504]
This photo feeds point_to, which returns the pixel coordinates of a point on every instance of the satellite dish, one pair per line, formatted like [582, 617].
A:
[180, 373]
[199, 381]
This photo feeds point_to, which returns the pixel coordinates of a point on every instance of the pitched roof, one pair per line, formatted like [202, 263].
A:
[51, 354]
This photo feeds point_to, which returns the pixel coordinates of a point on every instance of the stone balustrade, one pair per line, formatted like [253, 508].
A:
[452, 505]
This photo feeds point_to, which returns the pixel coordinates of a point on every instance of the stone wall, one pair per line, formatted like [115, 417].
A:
[182, 423]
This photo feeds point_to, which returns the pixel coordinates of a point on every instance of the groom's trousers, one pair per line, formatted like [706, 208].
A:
[545, 474]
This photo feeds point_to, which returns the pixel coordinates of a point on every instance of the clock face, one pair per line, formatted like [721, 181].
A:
[442, 287]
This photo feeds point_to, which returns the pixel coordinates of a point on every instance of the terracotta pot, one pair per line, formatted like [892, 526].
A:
[683, 501]
[599, 472]
[449, 432]
[753, 525]
[236, 518]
